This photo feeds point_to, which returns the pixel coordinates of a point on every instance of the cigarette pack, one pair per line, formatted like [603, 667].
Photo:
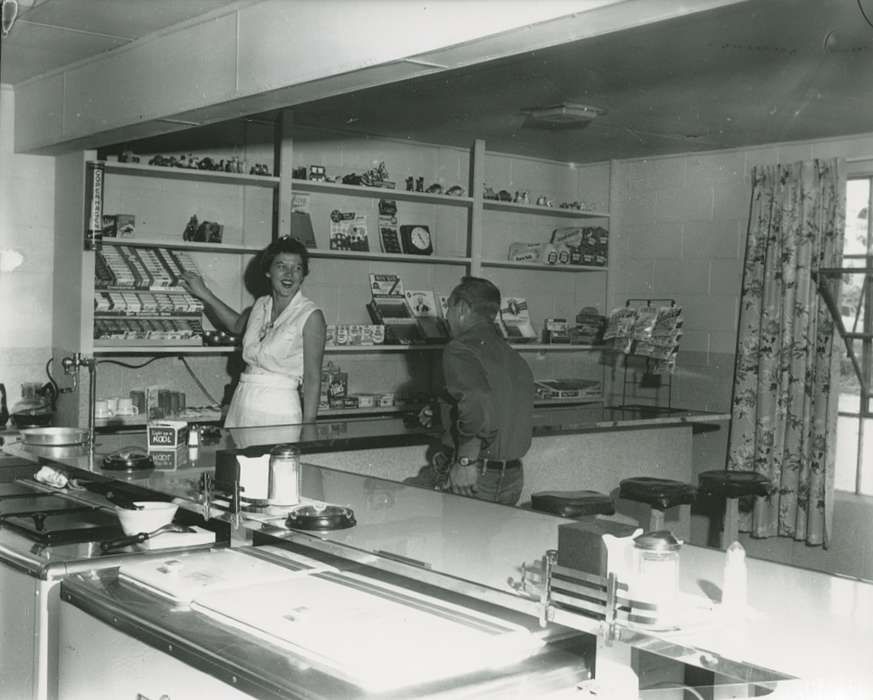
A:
[167, 434]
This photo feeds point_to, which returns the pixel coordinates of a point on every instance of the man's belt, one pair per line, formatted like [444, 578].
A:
[500, 464]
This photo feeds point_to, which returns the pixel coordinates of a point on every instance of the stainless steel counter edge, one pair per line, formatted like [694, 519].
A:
[234, 658]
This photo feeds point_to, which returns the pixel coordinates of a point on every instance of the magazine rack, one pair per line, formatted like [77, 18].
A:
[649, 379]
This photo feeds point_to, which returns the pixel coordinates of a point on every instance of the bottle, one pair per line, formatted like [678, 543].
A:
[734, 590]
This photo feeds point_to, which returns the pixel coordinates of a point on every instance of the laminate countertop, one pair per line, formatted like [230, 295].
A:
[368, 433]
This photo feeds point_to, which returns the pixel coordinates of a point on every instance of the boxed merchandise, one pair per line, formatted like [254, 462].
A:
[366, 400]
[556, 330]
[167, 434]
[119, 225]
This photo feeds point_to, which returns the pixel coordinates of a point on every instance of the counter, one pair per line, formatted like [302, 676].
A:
[596, 447]
[175, 650]
[799, 624]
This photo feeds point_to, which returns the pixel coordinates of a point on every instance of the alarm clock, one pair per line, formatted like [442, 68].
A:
[416, 240]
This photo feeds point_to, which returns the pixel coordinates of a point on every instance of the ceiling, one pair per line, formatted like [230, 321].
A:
[756, 72]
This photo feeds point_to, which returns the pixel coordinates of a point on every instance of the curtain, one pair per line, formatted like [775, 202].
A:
[786, 391]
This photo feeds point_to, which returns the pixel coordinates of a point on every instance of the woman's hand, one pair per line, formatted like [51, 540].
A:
[194, 283]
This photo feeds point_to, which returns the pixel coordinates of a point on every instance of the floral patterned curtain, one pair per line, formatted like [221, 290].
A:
[784, 407]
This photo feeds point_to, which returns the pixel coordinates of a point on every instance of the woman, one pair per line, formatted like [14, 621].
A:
[283, 345]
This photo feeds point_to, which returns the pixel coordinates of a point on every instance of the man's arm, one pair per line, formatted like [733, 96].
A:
[468, 388]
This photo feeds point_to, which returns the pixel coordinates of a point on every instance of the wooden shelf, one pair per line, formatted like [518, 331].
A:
[543, 266]
[382, 348]
[555, 347]
[497, 205]
[396, 257]
[183, 245]
[582, 401]
[218, 176]
[141, 349]
[375, 410]
[335, 188]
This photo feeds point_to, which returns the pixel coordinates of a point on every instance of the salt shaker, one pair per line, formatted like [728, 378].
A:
[283, 487]
[657, 578]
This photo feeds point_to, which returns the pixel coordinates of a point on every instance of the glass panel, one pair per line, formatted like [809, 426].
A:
[857, 243]
[857, 203]
[847, 451]
[866, 485]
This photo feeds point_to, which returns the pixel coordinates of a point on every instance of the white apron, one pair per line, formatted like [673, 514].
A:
[268, 390]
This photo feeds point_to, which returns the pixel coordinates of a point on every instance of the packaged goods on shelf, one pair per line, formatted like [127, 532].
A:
[556, 330]
[526, 252]
[514, 320]
[355, 334]
[424, 308]
[348, 231]
[568, 389]
[166, 434]
[334, 386]
[589, 327]
[366, 400]
[388, 307]
[119, 225]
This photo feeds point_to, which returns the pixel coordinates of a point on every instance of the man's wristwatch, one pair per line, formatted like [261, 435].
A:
[466, 461]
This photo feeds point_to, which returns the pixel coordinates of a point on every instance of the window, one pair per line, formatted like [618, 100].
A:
[854, 458]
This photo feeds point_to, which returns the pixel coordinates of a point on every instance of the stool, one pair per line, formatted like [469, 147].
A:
[572, 504]
[659, 495]
[732, 485]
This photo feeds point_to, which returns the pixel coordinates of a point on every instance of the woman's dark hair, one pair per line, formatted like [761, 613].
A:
[286, 244]
[481, 295]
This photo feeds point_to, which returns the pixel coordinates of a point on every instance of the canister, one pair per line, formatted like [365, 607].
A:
[283, 485]
[657, 577]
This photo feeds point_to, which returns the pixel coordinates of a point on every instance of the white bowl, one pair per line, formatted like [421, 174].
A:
[151, 516]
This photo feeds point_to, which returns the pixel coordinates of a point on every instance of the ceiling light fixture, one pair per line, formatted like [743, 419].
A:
[561, 116]
[8, 15]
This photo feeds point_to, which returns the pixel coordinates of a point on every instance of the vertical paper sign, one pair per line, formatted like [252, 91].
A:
[94, 216]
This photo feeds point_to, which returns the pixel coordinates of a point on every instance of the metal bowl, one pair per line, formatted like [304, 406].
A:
[54, 436]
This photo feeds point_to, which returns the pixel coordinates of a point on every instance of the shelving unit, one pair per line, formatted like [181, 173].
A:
[194, 174]
[183, 245]
[557, 212]
[392, 257]
[467, 243]
[336, 188]
[542, 266]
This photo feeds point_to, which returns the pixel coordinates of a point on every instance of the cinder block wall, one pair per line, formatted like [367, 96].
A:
[27, 229]
[678, 230]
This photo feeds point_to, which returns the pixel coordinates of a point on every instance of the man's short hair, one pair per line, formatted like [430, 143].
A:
[481, 295]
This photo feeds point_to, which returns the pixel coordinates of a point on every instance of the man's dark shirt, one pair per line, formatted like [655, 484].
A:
[490, 395]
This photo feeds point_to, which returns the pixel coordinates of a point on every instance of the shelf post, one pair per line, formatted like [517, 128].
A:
[284, 169]
[477, 180]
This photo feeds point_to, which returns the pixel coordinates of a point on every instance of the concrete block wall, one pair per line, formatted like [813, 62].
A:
[27, 233]
[678, 230]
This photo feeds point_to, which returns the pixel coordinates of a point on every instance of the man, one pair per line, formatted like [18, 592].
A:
[487, 406]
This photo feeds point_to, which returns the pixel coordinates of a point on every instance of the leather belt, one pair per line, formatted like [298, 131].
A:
[500, 464]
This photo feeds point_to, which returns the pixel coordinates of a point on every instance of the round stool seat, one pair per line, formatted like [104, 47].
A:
[733, 484]
[658, 493]
[572, 504]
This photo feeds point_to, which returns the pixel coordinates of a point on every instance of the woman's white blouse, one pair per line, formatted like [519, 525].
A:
[276, 348]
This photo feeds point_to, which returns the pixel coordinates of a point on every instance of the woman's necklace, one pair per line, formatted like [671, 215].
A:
[270, 324]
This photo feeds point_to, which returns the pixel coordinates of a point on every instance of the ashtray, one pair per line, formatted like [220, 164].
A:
[324, 517]
[128, 460]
